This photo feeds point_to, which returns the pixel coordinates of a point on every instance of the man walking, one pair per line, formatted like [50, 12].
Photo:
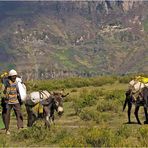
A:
[12, 101]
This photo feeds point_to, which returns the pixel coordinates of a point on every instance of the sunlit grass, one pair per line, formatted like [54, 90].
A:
[92, 117]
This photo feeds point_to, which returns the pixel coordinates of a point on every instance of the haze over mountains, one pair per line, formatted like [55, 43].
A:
[49, 39]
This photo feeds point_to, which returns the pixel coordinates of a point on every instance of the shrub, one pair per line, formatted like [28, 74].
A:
[85, 99]
[89, 114]
[3, 142]
[125, 79]
[98, 93]
[40, 135]
[73, 141]
[143, 136]
[107, 105]
[123, 131]
[99, 81]
[101, 138]
[59, 135]
[115, 95]
[35, 133]
[69, 83]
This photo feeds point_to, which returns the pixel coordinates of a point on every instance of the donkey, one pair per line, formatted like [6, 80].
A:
[50, 102]
[141, 100]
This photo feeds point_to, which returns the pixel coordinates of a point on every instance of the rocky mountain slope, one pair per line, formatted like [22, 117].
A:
[49, 39]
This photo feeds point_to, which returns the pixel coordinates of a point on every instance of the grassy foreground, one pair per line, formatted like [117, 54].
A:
[92, 117]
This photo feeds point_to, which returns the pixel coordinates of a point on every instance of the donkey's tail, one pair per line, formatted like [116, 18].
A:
[126, 99]
[125, 103]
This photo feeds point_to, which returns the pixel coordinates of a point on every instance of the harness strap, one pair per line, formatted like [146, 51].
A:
[43, 93]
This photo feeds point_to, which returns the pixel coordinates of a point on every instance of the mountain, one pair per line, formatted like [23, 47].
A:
[49, 39]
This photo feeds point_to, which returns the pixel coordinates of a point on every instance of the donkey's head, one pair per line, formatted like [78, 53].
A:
[58, 102]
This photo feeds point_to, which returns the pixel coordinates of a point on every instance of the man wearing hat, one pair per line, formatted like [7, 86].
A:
[11, 100]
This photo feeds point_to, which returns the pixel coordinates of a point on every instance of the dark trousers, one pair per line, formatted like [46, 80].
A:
[18, 114]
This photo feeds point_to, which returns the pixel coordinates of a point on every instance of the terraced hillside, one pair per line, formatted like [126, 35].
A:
[57, 39]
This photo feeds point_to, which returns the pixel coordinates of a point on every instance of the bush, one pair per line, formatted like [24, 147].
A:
[85, 99]
[3, 142]
[35, 133]
[41, 136]
[99, 81]
[125, 79]
[102, 102]
[89, 114]
[143, 136]
[123, 131]
[115, 95]
[101, 138]
[73, 141]
[69, 83]
[92, 114]
[107, 105]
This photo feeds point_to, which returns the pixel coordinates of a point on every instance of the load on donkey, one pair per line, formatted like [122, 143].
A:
[137, 94]
[39, 103]
[43, 104]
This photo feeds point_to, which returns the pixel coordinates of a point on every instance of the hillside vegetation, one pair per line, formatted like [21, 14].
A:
[92, 117]
[60, 39]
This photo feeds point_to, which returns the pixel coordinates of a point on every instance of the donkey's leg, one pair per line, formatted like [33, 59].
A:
[136, 114]
[52, 115]
[31, 117]
[46, 116]
[34, 118]
[47, 124]
[52, 118]
[129, 111]
[146, 115]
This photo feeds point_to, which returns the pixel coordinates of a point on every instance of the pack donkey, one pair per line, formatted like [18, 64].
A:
[45, 101]
[141, 100]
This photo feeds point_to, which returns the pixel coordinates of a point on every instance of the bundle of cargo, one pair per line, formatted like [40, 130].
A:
[22, 89]
[136, 85]
[37, 96]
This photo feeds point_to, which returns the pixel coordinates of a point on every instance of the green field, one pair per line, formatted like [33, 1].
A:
[92, 117]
